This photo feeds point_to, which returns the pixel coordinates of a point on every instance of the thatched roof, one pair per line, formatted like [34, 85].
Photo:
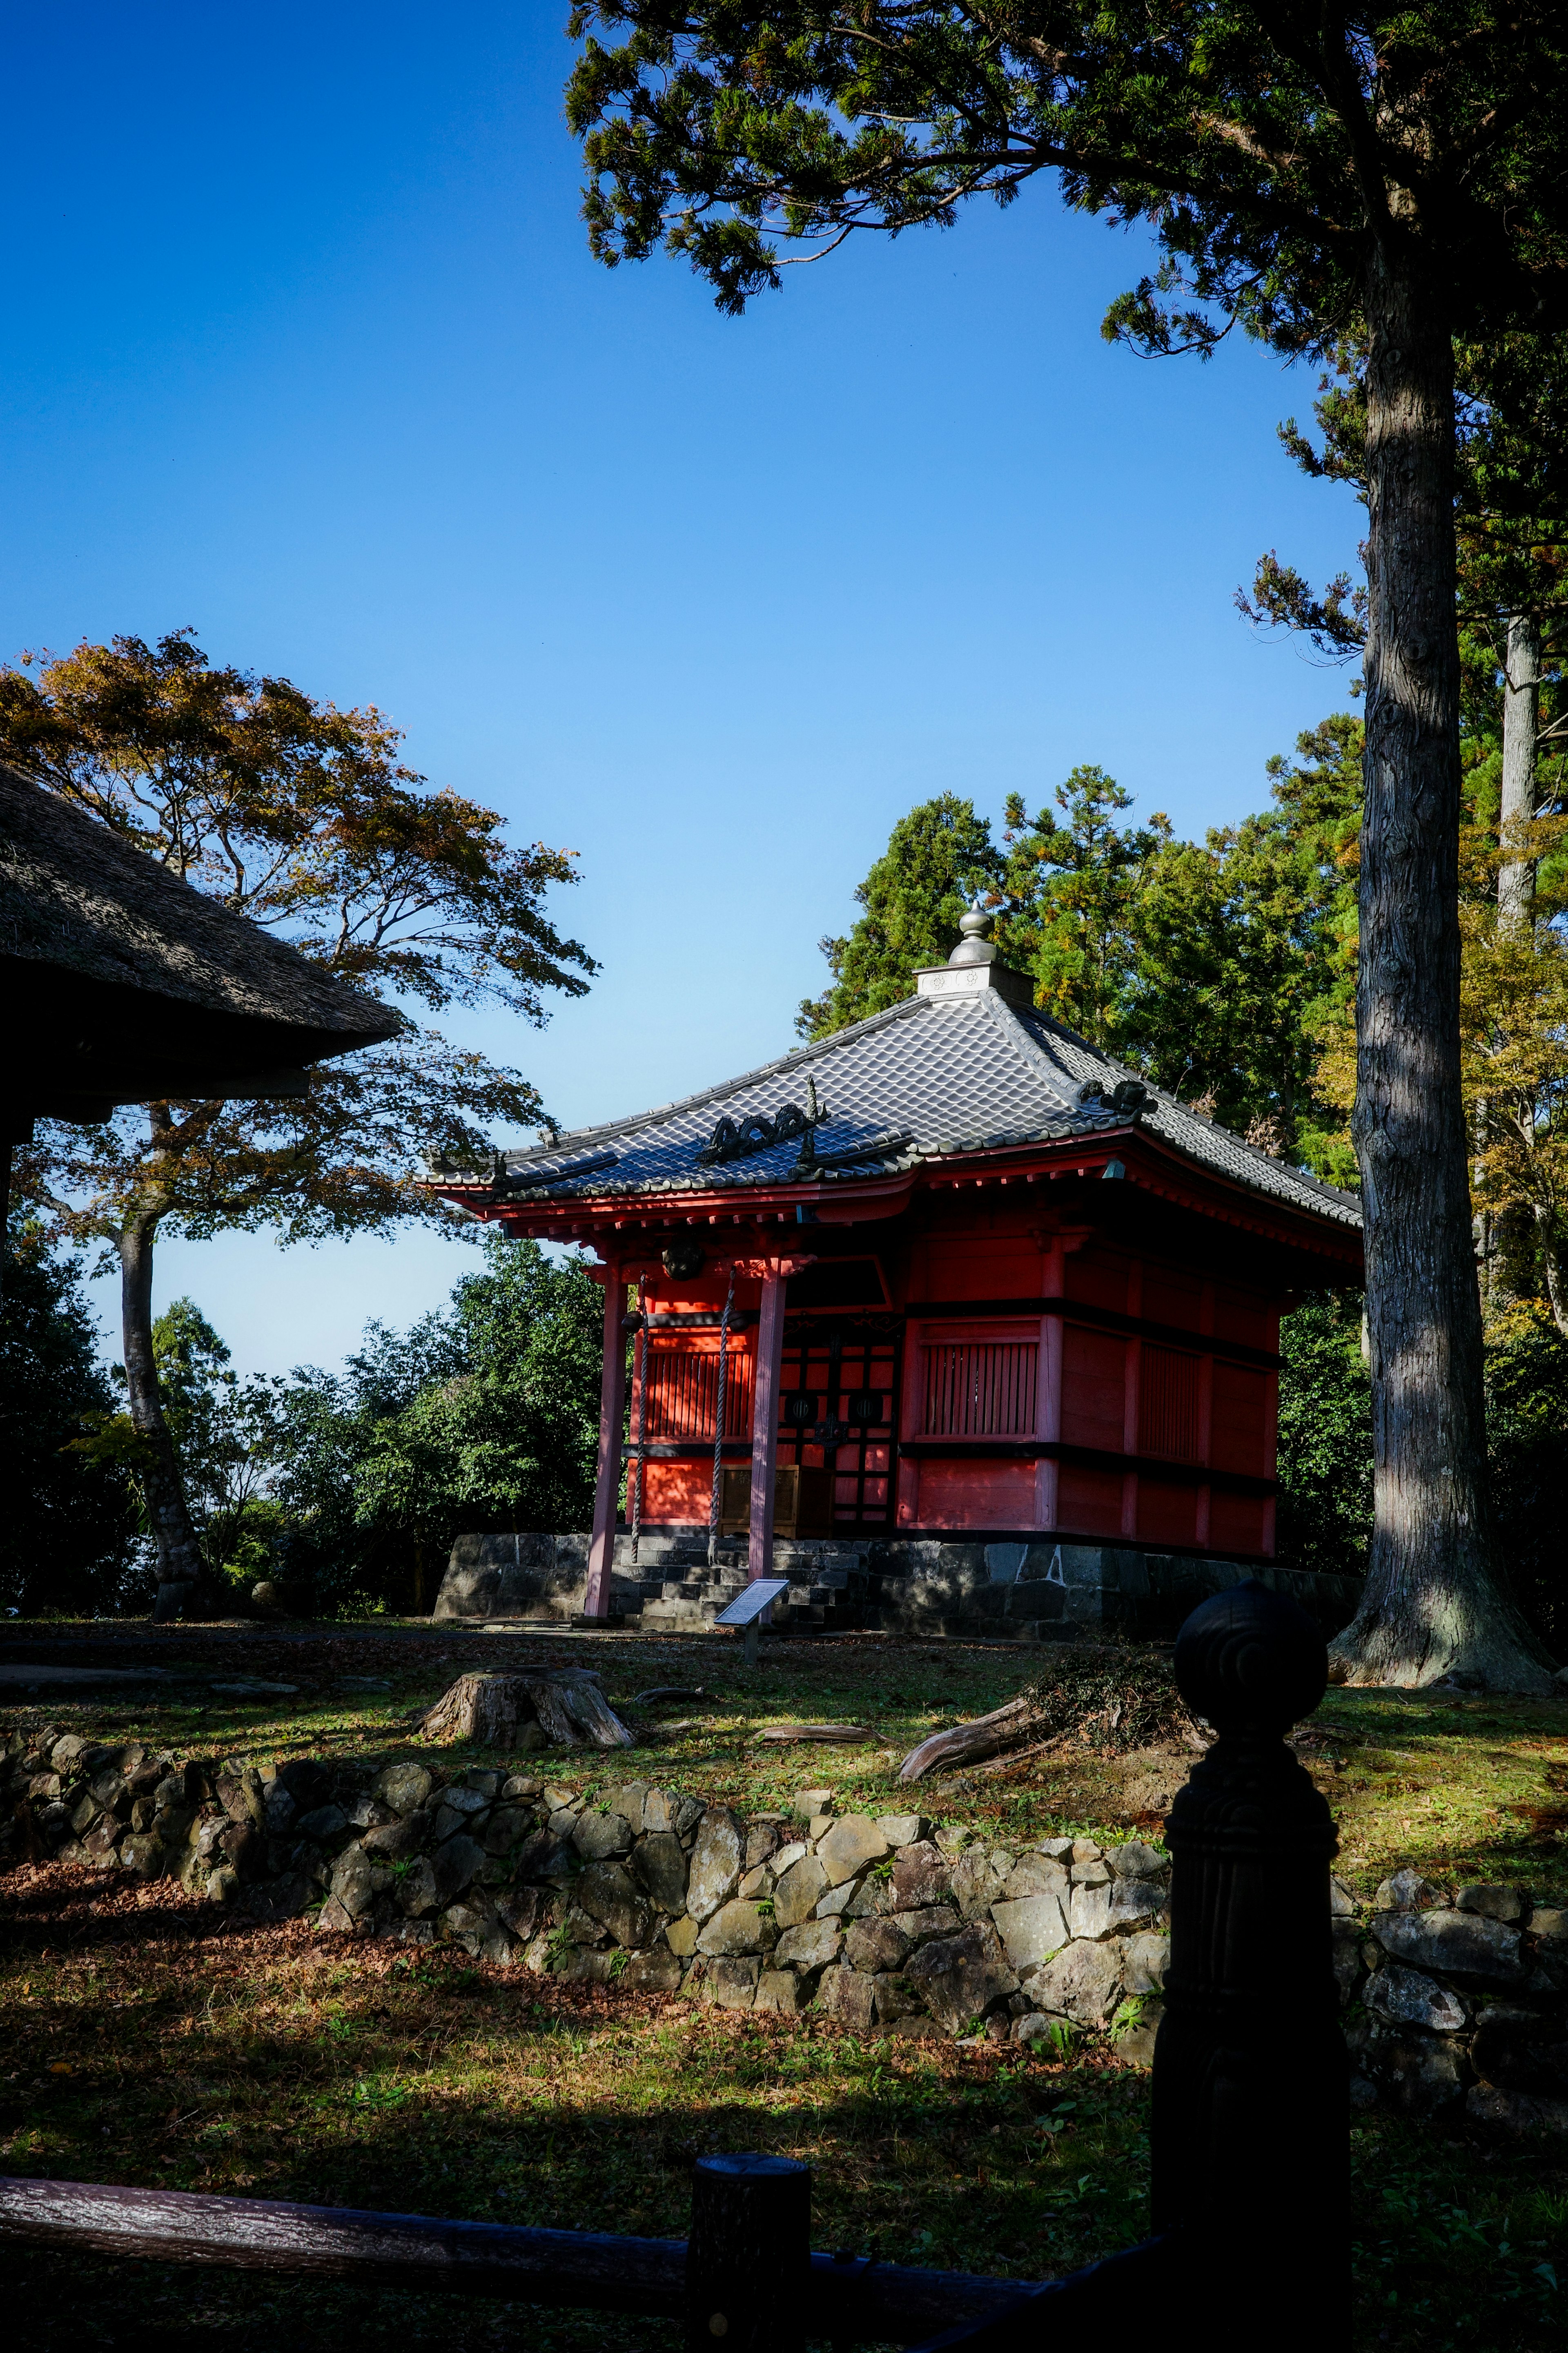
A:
[123, 983]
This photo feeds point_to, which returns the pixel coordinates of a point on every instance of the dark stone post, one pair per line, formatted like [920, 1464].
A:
[1251, 2113]
[748, 2260]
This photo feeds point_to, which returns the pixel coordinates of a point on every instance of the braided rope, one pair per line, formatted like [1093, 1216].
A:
[719, 1422]
[642, 1415]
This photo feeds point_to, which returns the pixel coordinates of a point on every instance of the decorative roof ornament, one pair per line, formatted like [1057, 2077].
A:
[733, 1140]
[488, 1169]
[976, 945]
[1126, 1099]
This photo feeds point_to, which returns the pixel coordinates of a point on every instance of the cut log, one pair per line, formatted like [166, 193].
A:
[492, 1710]
[588, 1707]
[483, 1708]
[986, 1736]
[828, 1732]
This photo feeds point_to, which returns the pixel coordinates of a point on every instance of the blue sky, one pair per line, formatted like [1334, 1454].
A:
[305, 348]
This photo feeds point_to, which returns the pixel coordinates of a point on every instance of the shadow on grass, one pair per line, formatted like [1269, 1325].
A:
[278, 2065]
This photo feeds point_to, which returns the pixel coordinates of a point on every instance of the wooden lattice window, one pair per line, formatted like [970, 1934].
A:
[1168, 1405]
[980, 1388]
[683, 1393]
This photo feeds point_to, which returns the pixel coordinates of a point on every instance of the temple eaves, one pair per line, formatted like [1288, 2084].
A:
[968, 1064]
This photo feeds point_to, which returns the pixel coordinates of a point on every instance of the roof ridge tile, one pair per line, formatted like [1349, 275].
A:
[661, 1113]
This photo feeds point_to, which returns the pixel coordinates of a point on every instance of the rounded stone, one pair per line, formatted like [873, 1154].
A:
[813, 1945]
[849, 1846]
[715, 1863]
[798, 1892]
[1494, 1900]
[599, 1837]
[738, 1926]
[403, 1787]
[659, 1863]
[1035, 2028]
[1404, 1998]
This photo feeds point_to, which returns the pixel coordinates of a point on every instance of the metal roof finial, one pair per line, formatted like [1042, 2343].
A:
[975, 946]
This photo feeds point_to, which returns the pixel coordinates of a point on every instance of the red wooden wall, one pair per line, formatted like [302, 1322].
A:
[1149, 1384]
[1167, 1371]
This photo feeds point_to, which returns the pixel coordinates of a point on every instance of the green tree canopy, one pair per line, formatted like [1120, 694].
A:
[226, 1436]
[1243, 950]
[68, 1540]
[938, 859]
[1527, 1421]
[484, 1416]
[1072, 885]
[1325, 1437]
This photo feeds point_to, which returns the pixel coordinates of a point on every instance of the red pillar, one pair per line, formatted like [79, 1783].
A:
[1132, 1401]
[612, 1414]
[766, 1424]
[1048, 1420]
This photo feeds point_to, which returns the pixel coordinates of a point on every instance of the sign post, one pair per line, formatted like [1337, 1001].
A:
[752, 1608]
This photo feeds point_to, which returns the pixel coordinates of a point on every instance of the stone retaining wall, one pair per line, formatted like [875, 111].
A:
[895, 1925]
[1454, 1993]
[1018, 1590]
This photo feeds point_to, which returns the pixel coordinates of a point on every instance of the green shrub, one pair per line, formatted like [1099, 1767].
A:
[1527, 1443]
[1325, 1437]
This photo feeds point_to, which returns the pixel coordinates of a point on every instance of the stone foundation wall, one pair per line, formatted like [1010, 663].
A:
[896, 1924]
[1017, 1590]
[1456, 1993]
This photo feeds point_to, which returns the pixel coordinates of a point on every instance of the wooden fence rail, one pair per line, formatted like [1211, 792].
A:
[851, 2298]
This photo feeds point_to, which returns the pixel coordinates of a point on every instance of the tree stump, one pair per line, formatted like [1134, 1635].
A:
[498, 1712]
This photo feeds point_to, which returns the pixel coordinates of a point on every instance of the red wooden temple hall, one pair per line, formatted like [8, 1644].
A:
[948, 1272]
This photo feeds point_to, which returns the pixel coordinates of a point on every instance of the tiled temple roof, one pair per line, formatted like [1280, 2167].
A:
[932, 1076]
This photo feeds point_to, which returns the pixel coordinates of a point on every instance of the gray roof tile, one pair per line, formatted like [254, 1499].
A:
[931, 1076]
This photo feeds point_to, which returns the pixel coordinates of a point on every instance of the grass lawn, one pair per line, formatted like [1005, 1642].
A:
[149, 2039]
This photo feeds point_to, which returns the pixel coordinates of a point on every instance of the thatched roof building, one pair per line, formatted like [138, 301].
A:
[123, 985]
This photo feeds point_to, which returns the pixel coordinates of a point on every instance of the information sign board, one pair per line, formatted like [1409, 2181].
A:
[752, 1600]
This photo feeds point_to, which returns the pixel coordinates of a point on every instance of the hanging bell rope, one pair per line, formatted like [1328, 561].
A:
[642, 1420]
[719, 1422]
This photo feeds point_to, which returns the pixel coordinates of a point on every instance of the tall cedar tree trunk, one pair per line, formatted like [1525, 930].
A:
[1513, 1236]
[1552, 1260]
[1520, 721]
[1436, 1603]
[180, 1565]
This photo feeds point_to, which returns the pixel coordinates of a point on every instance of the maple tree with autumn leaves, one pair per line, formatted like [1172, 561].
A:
[301, 815]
